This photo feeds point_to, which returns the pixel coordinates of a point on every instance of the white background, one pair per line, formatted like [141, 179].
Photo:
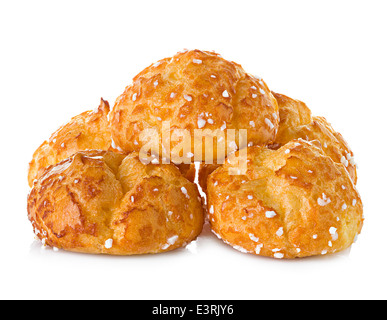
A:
[57, 59]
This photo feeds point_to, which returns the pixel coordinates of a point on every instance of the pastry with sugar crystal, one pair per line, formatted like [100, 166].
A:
[296, 121]
[105, 202]
[89, 130]
[195, 90]
[292, 202]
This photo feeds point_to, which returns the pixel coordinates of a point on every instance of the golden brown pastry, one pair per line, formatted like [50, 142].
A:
[89, 130]
[292, 202]
[296, 122]
[195, 90]
[292, 113]
[107, 203]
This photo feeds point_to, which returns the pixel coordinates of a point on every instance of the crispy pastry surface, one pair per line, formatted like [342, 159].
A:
[292, 202]
[293, 113]
[107, 203]
[195, 90]
[296, 122]
[92, 194]
[89, 130]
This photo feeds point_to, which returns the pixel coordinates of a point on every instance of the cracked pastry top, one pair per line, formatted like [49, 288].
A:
[109, 203]
[89, 130]
[292, 202]
[296, 121]
[194, 90]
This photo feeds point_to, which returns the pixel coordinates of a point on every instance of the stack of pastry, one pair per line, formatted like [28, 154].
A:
[92, 192]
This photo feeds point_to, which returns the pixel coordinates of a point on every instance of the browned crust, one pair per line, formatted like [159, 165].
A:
[94, 196]
[315, 206]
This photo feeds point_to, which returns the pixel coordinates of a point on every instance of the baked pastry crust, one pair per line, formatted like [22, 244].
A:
[296, 121]
[89, 130]
[293, 113]
[297, 199]
[292, 202]
[107, 203]
[194, 90]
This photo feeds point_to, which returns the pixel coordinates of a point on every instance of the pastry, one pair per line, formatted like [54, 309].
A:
[293, 114]
[89, 130]
[194, 90]
[104, 202]
[122, 182]
[292, 202]
[296, 121]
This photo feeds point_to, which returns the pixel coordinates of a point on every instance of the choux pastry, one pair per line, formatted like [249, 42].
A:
[195, 90]
[292, 202]
[296, 122]
[89, 130]
[99, 187]
[107, 203]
